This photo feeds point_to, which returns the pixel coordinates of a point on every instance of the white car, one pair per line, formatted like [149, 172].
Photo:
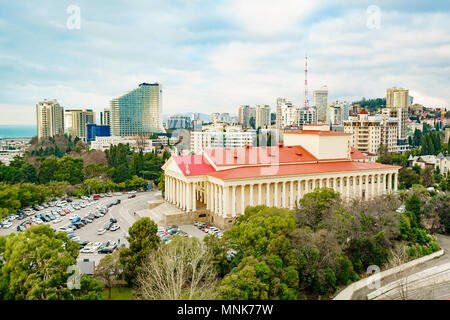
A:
[115, 227]
[101, 231]
[75, 238]
[7, 225]
[87, 250]
[57, 220]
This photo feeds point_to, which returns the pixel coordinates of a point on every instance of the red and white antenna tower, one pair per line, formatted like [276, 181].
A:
[306, 82]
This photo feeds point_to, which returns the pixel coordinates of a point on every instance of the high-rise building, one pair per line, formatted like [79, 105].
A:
[246, 114]
[76, 121]
[398, 102]
[221, 117]
[94, 130]
[321, 103]
[105, 117]
[287, 115]
[369, 132]
[50, 119]
[138, 112]
[262, 119]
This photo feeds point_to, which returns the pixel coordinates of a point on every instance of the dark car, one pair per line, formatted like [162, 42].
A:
[117, 201]
[46, 218]
[69, 200]
[106, 250]
[20, 228]
[83, 243]
[113, 220]
[131, 196]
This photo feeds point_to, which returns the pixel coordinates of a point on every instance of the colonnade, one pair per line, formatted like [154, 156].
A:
[229, 199]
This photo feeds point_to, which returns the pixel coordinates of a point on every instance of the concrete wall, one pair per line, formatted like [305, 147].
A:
[347, 293]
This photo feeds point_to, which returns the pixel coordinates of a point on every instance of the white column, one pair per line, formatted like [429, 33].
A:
[390, 183]
[194, 197]
[306, 186]
[354, 187]
[259, 194]
[251, 195]
[188, 196]
[373, 185]
[360, 187]
[283, 196]
[379, 184]
[208, 193]
[242, 198]
[320, 182]
[291, 195]
[220, 201]
[214, 202]
[275, 200]
[268, 194]
[395, 181]
[233, 201]
[341, 186]
[299, 190]
[347, 180]
[225, 210]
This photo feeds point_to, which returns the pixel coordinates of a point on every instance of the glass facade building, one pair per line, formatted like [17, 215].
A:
[95, 130]
[138, 112]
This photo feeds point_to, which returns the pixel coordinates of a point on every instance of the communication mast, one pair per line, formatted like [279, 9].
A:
[306, 82]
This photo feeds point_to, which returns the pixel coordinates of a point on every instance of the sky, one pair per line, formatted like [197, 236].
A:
[214, 55]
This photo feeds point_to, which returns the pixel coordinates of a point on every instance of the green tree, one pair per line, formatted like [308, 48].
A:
[142, 239]
[47, 170]
[314, 205]
[36, 263]
[70, 170]
[407, 177]
[427, 178]
[109, 270]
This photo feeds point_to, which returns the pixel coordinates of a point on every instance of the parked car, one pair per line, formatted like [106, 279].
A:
[114, 227]
[101, 231]
[87, 250]
[131, 196]
[7, 225]
[107, 226]
[113, 220]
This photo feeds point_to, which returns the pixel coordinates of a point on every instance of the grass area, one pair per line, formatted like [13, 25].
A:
[119, 293]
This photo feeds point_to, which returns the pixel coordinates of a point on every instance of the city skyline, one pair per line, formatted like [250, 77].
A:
[217, 56]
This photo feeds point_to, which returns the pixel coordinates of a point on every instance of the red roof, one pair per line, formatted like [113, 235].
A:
[258, 155]
[363, 111]
[355, 154]
[320, 132]
[295, 169]
[196, 164]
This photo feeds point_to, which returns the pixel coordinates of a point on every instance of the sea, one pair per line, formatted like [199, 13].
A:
[17, 131]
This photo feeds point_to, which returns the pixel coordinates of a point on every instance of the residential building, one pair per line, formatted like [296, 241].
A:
[76, 121]
[369, 132]
[105, 117]
[262, 116]
[221, 135]
[219, 183]
[306, 116]
[440, 162]
[138, 112]
[287, 114]
[246, 114]
[321, 102]
[447, 135]
[398, 102]
[50, 118]
[95, 130]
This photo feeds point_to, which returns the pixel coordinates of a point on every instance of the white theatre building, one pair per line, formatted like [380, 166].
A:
[221, 182]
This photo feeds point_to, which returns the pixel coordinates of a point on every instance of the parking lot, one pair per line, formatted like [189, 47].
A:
[123, 213]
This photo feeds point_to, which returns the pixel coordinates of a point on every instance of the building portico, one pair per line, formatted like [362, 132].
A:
[224, 188]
